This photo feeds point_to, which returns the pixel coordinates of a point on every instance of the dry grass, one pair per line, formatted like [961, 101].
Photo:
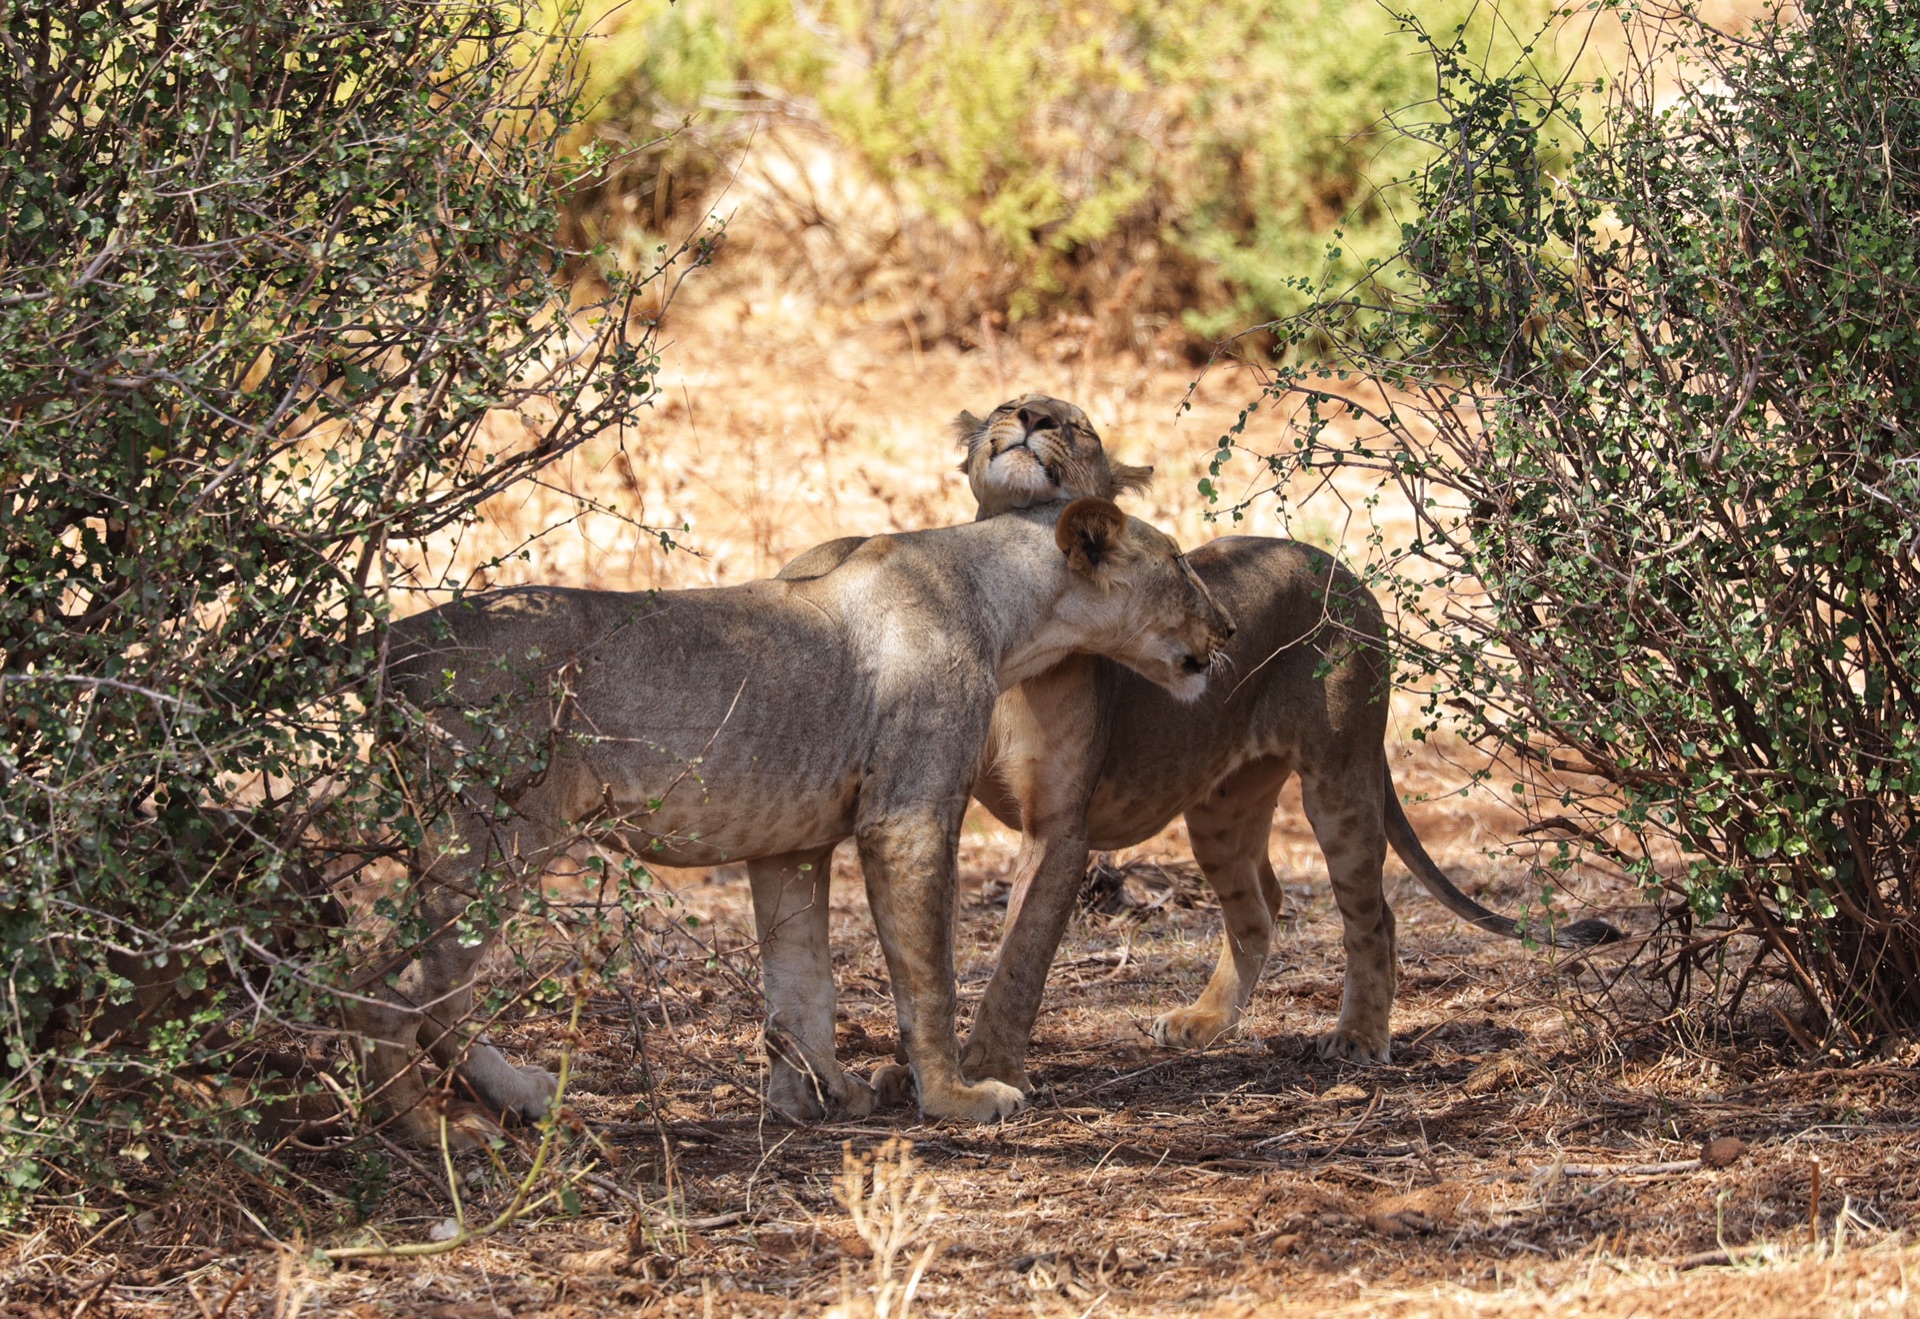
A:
[1523, 1153]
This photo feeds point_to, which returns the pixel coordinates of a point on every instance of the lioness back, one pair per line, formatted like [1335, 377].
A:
[730, 673]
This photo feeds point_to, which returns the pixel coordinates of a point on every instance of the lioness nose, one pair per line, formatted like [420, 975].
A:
[1033, 420]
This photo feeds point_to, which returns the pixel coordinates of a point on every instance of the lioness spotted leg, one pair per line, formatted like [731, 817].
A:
[911, 888]
[1347, 814]
[1229, 831]
[1058, 711]
[790, 918]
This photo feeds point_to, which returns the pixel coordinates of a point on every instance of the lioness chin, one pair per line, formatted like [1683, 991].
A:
[1086, 755]
[763, 722]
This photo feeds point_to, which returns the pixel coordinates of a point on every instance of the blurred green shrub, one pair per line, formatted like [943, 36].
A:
[1237, 153]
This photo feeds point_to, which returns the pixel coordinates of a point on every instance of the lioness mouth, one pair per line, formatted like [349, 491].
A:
[1194, 664]
[1025, 443]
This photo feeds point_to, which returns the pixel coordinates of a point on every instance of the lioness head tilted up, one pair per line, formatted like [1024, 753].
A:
[1035, 450]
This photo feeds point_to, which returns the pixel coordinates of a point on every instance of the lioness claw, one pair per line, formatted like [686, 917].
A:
[1186, 1028]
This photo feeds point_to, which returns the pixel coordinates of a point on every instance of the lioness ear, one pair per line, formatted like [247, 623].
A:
[1087, 532]
[966, 427]
[1131, 480]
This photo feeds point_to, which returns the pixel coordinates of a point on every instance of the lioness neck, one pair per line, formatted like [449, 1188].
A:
[1005, 598]
[1023, 590]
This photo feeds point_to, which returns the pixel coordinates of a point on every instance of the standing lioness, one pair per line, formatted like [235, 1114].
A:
[774, 718]
[1084, 755]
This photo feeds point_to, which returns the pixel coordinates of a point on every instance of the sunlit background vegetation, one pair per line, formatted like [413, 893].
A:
[1186, 167]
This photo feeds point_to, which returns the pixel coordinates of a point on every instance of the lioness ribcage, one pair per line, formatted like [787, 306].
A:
[680, 771]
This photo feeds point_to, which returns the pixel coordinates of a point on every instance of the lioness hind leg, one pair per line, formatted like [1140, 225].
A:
[428, 1004]
[790, 918]
[1229, 832]
[1348, 821]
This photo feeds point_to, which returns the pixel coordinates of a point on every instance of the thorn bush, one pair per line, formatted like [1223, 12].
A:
[1658, 415]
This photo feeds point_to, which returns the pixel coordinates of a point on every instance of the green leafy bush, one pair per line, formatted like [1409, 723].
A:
[267, 272]
[1659, 415]
[1236, 155]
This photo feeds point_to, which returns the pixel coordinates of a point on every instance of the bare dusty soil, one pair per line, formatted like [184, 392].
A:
[1536, 1144]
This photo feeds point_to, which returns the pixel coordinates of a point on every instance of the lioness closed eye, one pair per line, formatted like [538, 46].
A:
[768, 721]
[1085, 755]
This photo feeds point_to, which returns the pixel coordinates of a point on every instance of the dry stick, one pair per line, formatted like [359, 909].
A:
[1627, 1169]
[1354, 1130]
[227, 1304]
[94, 1295]
[1813, 1208]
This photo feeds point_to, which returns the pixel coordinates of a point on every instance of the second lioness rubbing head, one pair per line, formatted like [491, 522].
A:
[1034, 450]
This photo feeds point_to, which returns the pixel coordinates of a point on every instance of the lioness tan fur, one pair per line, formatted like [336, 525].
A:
[1085, 754]
[769, 720]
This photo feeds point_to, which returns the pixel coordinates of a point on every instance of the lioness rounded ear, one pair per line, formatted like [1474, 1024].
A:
[965, 427]
[1130, 480]
[966, 431]
[1088, 531]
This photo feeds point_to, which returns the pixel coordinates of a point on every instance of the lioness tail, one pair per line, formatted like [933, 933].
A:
[1406, 843]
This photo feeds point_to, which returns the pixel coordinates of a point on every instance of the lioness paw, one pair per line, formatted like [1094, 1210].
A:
[536, 1093]
[987, 1101]
[795, 1095]
[1342, 1045]
[892, 1085]
[525, 1092]
[1190, 1028]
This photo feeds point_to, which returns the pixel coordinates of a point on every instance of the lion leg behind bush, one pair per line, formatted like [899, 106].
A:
[426, 1001]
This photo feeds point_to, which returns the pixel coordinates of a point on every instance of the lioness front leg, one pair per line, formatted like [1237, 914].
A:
[1348, 821]
[1053, 863]
[1049, 736]
[790, 919]
[909, 862]
[1229, 833]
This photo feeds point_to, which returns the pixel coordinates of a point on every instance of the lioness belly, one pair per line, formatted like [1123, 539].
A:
[728, 818]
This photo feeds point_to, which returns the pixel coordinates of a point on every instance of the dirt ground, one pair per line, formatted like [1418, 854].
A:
[1536, 1144]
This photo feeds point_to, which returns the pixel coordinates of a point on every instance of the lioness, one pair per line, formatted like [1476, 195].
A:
[1085, 754]
[769, 719]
